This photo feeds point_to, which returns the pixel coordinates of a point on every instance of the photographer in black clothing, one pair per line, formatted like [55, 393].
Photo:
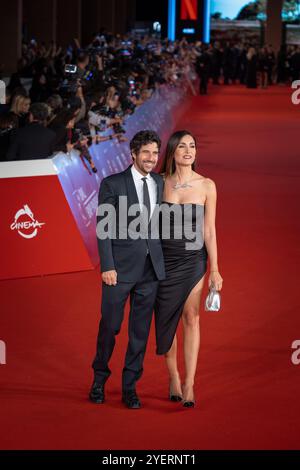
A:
[203, 71]
[8, 126]
[33, 141]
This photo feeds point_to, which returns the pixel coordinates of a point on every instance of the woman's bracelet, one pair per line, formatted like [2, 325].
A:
[215, 271]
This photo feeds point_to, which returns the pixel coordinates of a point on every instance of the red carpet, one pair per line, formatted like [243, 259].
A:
[247, 388]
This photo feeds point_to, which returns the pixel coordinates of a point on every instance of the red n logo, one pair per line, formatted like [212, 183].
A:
[189, 9]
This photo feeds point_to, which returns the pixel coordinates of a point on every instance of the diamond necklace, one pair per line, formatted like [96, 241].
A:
[182, 185]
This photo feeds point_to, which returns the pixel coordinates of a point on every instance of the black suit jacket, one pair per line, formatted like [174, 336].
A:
[128, 256]
[31, 142]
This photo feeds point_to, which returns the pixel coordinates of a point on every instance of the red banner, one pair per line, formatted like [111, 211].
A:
[38, 232]
[189, 10]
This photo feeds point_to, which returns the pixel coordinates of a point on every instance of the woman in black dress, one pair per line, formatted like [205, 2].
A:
[192, 198]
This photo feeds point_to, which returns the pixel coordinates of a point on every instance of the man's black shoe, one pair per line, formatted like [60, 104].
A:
[131, 400]
[97, 393]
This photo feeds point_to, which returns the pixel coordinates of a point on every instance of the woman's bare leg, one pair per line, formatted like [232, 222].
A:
[171, 362]
[191, 338]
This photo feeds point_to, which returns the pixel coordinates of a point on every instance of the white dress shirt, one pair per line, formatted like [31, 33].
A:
[139, 183]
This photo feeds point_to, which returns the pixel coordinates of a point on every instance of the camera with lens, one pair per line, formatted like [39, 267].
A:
[95, 51]
[128, 106]
[80, 134]
[111, 114]
[71, 81]
[118, 129]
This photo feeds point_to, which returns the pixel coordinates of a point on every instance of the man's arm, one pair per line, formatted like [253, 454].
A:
[106, 196]
[82, 111]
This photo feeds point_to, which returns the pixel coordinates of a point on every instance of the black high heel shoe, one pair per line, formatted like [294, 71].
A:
[188, 404]
[173, 397]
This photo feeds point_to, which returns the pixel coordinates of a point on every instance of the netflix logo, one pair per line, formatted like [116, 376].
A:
[189, 10]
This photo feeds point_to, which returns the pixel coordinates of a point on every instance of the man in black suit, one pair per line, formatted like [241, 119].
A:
[33, 141]
[203, 69]
[130, 266]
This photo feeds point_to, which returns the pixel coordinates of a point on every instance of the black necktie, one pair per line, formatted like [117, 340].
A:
[146, 198]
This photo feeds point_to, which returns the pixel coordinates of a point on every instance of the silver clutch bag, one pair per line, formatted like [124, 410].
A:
[213, 300]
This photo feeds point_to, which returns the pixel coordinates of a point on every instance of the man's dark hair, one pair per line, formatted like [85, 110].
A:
[144, 138]
[39, 111]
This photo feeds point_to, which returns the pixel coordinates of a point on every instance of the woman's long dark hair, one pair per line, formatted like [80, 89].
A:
[168, 166]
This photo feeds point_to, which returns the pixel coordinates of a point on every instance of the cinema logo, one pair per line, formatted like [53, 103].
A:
[295, 357]
[25, 223]
[2, 353]
[296, 94]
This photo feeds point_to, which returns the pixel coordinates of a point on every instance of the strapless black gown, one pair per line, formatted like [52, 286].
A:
[184, 269]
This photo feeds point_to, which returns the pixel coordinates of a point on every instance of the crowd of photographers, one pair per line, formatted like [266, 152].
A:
[82, 96]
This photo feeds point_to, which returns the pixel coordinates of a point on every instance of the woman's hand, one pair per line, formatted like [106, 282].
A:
[215, 279]
[121, 138]
[69, 147]
[84, 142]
